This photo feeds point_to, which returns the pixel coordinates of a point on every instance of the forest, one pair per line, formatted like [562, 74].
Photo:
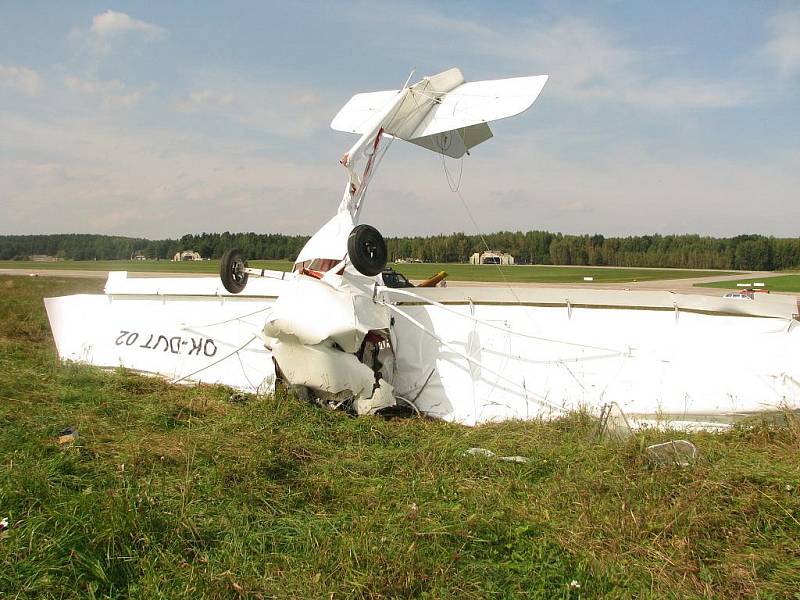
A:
[749, 252]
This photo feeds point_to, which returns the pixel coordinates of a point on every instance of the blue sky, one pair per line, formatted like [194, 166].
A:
[158, 119]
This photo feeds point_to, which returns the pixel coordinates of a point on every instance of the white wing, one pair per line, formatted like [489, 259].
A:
[480, 102]
[355, 116]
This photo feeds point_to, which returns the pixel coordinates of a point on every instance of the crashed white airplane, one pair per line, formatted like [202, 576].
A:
[341, 330]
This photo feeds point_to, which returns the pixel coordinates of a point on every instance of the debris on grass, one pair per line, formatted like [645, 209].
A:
[613, 422]
[238, 398]
[681, 453]
[490, 454]
[514, 459]
[479, 452]
[67, 436]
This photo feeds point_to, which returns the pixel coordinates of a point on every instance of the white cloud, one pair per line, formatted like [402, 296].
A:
[442, 23]
[280, 108]
[111, 93]
[20, 79]
[587, 62]
[112, 29]
[783, 48]
[111, 23]
[208, 99]
[115, 178]
[108, 32]
[667, 93]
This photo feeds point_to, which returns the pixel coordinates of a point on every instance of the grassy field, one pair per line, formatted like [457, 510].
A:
[546, 274]
[145, 266]
[457, 272]
[781, 283]
[173, 491]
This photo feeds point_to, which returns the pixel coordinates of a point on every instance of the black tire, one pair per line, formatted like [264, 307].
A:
[367, 250]
[231, 271]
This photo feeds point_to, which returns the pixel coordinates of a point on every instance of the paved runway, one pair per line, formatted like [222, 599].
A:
[684, 286]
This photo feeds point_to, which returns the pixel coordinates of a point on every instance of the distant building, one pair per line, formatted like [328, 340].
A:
[186, 255]
[43, 258]
[138, 255]
[491, 257]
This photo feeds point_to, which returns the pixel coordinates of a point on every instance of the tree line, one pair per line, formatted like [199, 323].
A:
[755, 252]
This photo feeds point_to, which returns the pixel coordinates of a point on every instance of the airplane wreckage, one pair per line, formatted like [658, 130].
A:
[342, 330]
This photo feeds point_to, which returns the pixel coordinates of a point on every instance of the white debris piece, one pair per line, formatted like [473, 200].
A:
[480, 452]
[382, 397]
[490, 454]
[677, 452]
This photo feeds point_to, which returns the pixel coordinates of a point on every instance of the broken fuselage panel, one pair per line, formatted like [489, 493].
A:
[327, 335]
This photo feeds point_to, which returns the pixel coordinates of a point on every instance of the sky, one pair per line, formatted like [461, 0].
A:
[157, 119]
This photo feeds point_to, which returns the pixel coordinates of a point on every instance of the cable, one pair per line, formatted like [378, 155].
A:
[216, 362]
[255, 312]
[444, 307]
[457, 191]
[486, 245]
[241, 365]
[541, 399]
[410, 403]
[454, 185]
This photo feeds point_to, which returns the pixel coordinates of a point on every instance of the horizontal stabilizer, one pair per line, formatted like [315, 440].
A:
[455, 143]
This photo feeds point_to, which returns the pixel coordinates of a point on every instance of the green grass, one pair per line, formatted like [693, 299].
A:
[546, 274]
[779, 283]
[173, 492]
[144, 266]
[457, 272]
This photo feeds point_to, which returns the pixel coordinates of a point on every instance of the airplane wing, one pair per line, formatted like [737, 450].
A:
[480, 102]
[355, 116]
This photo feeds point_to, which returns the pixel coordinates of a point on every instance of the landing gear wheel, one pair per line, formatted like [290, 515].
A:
[367, 250]
[231, 271]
